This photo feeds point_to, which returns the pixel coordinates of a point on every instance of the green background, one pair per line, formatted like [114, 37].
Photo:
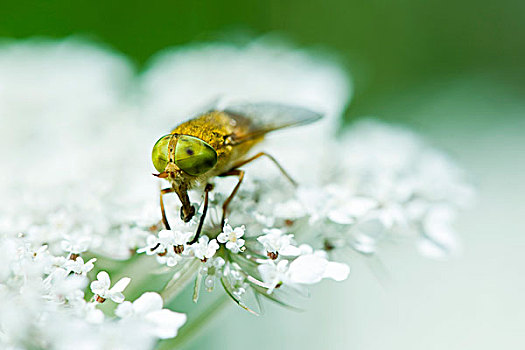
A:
[452, 70]
[390, 46]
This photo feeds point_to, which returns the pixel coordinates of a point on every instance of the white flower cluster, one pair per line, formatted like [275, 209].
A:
[43, 304]
[383, 184]
[76, 132]
[274, 255]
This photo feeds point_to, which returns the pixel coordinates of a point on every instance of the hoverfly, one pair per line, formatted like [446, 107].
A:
[216, 143]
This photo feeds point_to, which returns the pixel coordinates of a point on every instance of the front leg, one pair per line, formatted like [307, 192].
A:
[163, 212]
[233, 172]
[207, 189]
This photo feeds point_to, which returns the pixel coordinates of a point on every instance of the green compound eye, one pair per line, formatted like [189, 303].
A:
[194, 156]
[160, 153]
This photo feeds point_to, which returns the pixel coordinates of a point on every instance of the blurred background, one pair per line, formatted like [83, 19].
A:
[453, 71]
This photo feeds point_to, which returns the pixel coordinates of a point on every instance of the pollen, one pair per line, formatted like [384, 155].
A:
[99, 299]
[272, 255]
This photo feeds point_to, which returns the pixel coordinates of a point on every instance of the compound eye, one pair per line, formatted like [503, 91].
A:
[194, 156]
[160, 153]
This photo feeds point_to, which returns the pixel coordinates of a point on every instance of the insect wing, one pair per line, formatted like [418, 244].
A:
[262, 118]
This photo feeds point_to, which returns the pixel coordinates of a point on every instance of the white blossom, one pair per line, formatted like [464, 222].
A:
[236, 279]
[101, 287]
[275, 241]
[274, 273]
[181, 238]
[311, 268]
[76, 244]
[169, 258]
[308, 268]
[61, 286]
[384, 182]
[87, 310]
[211, 270]
[350, 208]
[166, 241]
[78, 266]
[162, 323]
[204, 249]
[133, 236]
[158, 244]
[232, 238]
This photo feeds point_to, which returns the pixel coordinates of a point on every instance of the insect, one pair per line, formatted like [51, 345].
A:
[216, 143]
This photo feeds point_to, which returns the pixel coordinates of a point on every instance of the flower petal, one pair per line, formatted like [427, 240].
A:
[290, 250]
[148, 302]
[121, 284]
[103, 277]
[117, 297]
[307, 269]
[336, 271]
[222, 237]
[166, 322]
[124, 310]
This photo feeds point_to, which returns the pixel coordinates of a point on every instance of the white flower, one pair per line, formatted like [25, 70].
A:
[165, 242]
[76, 244]
[406, 178]
[133, 236]
[385, 183]
[160, 244]
[346, 210]
[311, 268]
[60, 285]
[100, 287]
[305, 269]
[153, 246]
[61, 222]
[232, 238]
[273, 273]
[274, 241]
[87, 310]
[169, 259]
[78, 266]
[236, 279]
[181, 238]
[162, 323]
[211, 269]
[204, 248]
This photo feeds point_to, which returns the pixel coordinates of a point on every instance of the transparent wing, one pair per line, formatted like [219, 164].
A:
[262, 118]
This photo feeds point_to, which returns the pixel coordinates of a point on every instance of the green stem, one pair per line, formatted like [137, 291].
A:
[193, 327]
[179, 281]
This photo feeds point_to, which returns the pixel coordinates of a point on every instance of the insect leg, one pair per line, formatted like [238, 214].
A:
[233, 172]
[164, 218]
[260, 154]
[207, 189]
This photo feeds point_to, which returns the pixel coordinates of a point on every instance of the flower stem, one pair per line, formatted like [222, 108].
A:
[196, 325]
[180, 280]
